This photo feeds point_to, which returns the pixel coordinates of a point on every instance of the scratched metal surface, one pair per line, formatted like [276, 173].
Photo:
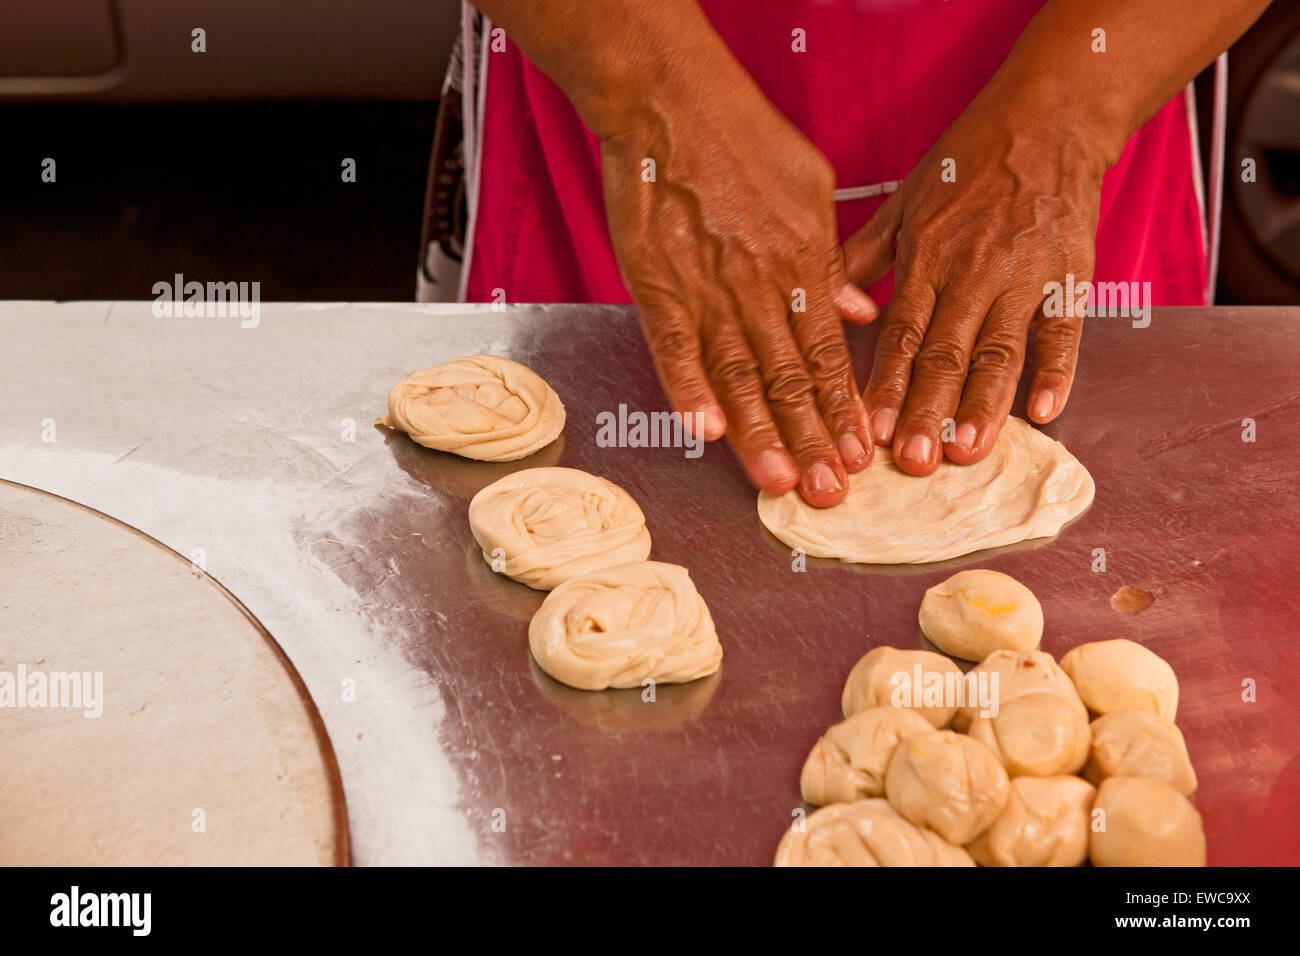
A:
[356, 555]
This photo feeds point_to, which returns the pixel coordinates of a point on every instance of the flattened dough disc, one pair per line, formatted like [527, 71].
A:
[201, 709]
[1027, 487]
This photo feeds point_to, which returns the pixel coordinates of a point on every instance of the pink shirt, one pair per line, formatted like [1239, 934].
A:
[878, 83]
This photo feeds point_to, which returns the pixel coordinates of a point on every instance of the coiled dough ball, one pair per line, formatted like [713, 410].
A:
[887, 677]
[542, 526]
[1122, 675]
[849, 761]
[948, 782]
[1026, 672]
[618, 626]
[974, 613]
[865, 833]
[1134, 743]
[483, 406]
[1036, 735]
[1045, 823]
[1143, 821]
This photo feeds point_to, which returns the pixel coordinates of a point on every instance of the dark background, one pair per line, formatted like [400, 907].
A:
[250, 188]
[217, 191]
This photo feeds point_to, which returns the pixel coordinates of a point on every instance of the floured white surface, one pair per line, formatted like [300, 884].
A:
[1027, 487]
[248, 445]
[190, 742]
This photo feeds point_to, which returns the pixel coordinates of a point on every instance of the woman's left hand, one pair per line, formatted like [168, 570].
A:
[997, 209]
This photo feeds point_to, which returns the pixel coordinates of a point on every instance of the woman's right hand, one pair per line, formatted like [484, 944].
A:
[724, 227]
[723, 222]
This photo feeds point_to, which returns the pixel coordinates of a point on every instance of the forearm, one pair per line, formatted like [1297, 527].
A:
[1153, 48]
[619, 60]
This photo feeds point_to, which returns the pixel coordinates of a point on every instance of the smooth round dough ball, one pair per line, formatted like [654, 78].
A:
[974, 613]
[887, 677]
[849, 761]
[1036, 735]
[948, 782]
[1018, 673]
[1145, 822]
[865, 833]
[1134, 743]
[1045, 823]
[1121, 675]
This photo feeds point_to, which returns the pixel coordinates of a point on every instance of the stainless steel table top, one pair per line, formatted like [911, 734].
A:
[251, 450]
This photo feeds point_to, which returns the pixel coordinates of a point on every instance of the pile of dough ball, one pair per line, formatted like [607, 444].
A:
[613, 618]
[1056, 765]
[483, 407]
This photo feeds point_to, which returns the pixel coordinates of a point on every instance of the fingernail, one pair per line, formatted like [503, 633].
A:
[820, 479]
[713, 422]
[857, 303]
[851, 451]
[882, 424]
[917, 449]
[965, 437]
[775, 468]
[1043, 406]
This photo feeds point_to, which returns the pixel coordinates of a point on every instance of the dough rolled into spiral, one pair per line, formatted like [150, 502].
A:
[865, 833]
[618, 626]
[483, 407]
[542, 526]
